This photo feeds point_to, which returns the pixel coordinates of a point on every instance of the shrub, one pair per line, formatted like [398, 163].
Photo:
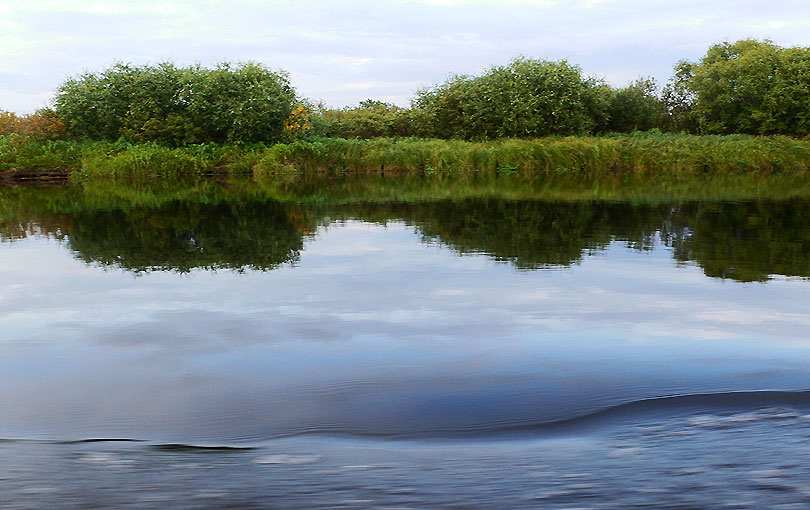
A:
[178, 105]
[526, 98]
[749, 86]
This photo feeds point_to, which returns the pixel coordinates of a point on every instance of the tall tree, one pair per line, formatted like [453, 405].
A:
[166, 103]
[526, 98]
[748, 86]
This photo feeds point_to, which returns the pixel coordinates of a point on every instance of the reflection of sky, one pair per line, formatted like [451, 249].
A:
[374, 330]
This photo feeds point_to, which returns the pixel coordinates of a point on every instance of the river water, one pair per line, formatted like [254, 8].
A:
[240, 349]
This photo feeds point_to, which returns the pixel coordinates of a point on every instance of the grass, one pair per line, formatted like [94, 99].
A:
[639, 155]
[89, 160]
[18, 153]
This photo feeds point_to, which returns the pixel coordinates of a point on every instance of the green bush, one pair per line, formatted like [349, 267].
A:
[749, 86]
[177, 105]
[526, 98]
[370, 119]
[636, 107]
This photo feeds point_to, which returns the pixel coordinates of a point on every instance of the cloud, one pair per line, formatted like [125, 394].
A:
[495, 3]
[391, 48]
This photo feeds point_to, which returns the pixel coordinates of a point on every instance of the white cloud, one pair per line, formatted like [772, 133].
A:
[589, 4]
[344, 51]
[494, 3]
[20, 101]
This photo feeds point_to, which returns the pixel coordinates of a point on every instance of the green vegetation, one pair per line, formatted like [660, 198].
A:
[242, 224]
[747, 87]
[370, 119]
[525, 99]
[21, 153]
[636, 108]
[650, 154]
[529, 117]
[178, 105]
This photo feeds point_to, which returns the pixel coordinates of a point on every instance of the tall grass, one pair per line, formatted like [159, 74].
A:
[640, 155]
[22, 153]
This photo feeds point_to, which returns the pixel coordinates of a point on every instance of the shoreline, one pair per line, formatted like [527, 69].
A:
[645, 154]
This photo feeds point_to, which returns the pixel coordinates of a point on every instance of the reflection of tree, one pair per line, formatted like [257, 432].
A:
[533, 235]
[182, 236]
[528, 234]
[746, 241]
[54, 226]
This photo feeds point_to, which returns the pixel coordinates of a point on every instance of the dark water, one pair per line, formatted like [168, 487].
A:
[277, 350]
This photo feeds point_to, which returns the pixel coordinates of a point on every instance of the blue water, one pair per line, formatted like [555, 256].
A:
[384, 366]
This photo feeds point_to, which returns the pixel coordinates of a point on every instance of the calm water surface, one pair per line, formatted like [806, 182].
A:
[467, 352]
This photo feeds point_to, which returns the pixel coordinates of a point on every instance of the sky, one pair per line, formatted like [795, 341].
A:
[341, 52]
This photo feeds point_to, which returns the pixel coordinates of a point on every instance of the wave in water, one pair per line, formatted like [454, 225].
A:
[627, 412]
[766, 404]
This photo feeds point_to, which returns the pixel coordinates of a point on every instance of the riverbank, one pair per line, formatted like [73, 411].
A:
[648, 154]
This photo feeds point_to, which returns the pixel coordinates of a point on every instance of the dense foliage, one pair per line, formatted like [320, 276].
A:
[636, 107]
[369, 119]
[526, 98]
[652, 154]
[44, 124]
[745, 87]
[241, 225]
[178, 105]
[748, 87]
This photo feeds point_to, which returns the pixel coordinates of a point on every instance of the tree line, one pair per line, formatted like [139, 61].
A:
[748, 87]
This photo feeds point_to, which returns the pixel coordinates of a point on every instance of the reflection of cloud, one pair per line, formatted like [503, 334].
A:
[191, 330]
[404, 336]
[744, 317]
[356, 279]
[450, 292]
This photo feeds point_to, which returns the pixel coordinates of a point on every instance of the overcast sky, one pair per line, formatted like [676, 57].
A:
[342, 52]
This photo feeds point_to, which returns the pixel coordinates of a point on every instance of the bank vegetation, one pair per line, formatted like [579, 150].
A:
[744, 107]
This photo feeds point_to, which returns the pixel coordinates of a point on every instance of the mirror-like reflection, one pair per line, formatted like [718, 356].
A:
[219, 228]
[342, 312]
[561, 344]
[184, 236]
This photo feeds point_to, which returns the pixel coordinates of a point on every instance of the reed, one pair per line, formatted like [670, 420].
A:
[650, 154]
[647, 155]
[26, 154]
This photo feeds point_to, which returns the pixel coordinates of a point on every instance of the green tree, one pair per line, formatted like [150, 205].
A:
[177, 105]
[749, 86]
[526, 98]
[369, 119]
[636, 107]
[679, 99]
[241, 102]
